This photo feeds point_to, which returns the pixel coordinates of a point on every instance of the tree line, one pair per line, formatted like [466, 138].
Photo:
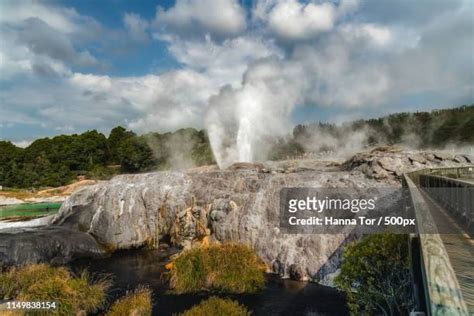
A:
[50, 162]
[422, 130]
[435, 129]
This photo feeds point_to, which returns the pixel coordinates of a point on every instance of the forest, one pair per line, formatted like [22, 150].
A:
[435, 129]
[50, 162]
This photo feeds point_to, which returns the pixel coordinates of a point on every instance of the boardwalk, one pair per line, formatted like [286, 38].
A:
[460, 249]
[443, 201]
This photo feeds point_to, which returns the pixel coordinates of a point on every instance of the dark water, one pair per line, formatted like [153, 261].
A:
[280, 297]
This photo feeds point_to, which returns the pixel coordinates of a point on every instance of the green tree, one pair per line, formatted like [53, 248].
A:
[116, 137]
[9, 154]
[135, 155]
[90, 149]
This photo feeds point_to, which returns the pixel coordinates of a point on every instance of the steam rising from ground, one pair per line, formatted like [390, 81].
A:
[321, 144]
[241, 121]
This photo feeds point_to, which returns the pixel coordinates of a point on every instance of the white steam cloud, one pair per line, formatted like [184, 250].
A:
[240, 121]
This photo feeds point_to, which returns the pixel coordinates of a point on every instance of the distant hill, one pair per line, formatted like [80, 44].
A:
[434, 129]
[422, 130]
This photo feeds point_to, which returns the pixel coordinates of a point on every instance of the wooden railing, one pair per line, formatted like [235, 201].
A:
[439, 285]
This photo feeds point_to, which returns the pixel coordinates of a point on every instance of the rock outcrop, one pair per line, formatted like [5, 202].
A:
[240, 203]
[229, 205]
[389, 164]
[55, 245]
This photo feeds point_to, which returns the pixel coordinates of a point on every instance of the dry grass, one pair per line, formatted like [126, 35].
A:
[215, 306]
[136, 303]
[65, 190]
[21, 195]
[40, 282]
[230, 268]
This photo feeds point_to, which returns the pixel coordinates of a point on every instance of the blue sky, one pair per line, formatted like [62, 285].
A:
[70, 66]
[139, 60]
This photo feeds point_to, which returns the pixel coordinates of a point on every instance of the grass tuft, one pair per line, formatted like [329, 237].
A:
[136, 303]
[230, 268]
[215, 306]
[40, 282]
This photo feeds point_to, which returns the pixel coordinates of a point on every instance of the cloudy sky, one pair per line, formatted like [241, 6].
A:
[69, 66]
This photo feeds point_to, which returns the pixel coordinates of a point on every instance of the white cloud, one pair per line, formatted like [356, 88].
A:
[221, 18]
[91, 82]
[294, 20]
[376, 34]
[37, 39]
[347, 7]
[60, 18]
[225, 62]
[137, 27]
[166, 102]
[290, 19]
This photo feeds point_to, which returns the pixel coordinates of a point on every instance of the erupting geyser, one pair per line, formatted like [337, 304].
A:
[244, 141]
[241, 121]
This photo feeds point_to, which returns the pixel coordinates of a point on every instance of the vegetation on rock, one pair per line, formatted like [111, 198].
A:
[39, 282]
[375, 275]
[137, 303]
[229, 268]
[215, 306]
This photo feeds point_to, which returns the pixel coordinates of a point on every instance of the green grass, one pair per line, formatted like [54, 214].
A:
[215, 306]
[229, 268]
[29, 209]
[137, 303]
[39, 282]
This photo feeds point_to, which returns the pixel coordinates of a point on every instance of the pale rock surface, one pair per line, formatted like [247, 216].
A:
[240, 204]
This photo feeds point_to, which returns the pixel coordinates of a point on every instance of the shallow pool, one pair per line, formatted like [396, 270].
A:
[29, 209]
[280, 297]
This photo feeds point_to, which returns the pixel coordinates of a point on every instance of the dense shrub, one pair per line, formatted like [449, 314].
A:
[375, 275]
[40, 282]
[136, 303]
[215, 306]
[228, 268]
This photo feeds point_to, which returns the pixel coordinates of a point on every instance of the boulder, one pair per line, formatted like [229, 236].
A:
[391, 165]
[55, 245]
[460, 159]
[443, 156]
[469, 158]
[247, 166]
[415, 157]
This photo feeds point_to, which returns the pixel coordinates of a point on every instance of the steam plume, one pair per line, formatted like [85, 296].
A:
[240, 121]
